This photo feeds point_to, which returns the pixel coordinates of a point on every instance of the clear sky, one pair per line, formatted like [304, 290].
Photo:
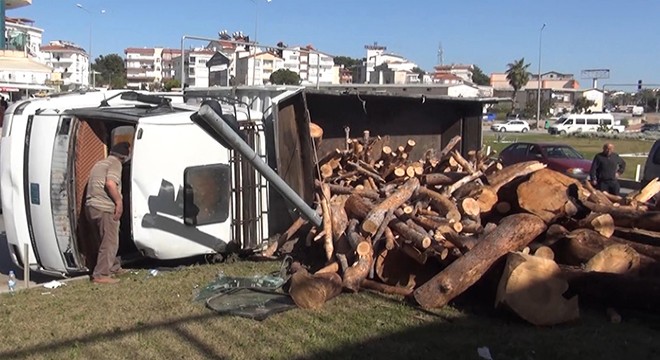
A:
[580, 34]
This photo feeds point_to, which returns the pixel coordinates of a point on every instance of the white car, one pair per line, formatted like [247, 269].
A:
[511, 126]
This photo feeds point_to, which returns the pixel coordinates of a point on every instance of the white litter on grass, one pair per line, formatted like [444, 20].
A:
[484, 353]
[53, 284]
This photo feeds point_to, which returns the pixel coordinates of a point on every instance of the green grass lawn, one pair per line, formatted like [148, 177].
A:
[588, 147]
[155, 318]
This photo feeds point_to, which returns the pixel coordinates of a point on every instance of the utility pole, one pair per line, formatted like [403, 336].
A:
[538, 93]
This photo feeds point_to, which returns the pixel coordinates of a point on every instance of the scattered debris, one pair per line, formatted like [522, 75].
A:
[54, 284]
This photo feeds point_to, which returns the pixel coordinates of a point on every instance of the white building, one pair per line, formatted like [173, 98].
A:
[376, 56]
[22, 35]
[69, 62]
[256, 69]
[316, 66]
[597, 96]
[20, 74]
[196, 71]
[143, 67]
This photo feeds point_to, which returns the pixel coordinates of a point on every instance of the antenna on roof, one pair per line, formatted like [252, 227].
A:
[441, 54]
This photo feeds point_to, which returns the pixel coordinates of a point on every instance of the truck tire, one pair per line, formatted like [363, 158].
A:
[503, 129]
[524, 130]
[615, 131]
[563, 132]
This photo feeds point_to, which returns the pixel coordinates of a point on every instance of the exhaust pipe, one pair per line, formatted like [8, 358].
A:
[223, 131]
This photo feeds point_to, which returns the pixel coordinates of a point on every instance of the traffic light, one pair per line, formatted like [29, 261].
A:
[639, 85]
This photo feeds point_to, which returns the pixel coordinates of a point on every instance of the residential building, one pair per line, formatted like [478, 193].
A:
[316, 67]
[257, 68]
[69, 61]
[219, 74]
[595, 95]
[461, 71]
[446, 78]
[22, 35]
[196, 72]
[168, 63]
[376, 56]
[143, 67]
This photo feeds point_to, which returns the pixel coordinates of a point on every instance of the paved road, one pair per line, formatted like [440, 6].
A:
[6, 265]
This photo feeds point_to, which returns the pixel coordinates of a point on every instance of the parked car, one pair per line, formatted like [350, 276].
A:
[558, 157]
[511, 126]
[650, 127]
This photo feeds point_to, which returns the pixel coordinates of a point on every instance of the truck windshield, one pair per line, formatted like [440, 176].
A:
[560, 120]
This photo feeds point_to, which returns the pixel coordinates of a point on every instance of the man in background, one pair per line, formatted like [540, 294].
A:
[103, 208]
[606, 168]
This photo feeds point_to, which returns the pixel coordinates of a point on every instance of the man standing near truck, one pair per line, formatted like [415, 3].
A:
[606, 168]
[103, 208]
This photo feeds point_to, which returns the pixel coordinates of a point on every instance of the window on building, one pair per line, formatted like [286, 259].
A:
[192, 59]
[202, 61]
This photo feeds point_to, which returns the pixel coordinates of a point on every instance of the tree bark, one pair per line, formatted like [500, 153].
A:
[442, 204]
[442, 178]
[503, 177]
[312, 291]
[377, 214]
[545, 194]
[512, 233]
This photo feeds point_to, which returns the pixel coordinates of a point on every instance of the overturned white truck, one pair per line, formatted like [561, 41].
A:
[187, 190]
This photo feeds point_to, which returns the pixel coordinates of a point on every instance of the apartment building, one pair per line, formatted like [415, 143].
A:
[196, 72]
[460, 72]
[256, 69]
[316, 67]
[167, 62]
[22, 35]
[377, 57]
[143, 67]
[70, 64]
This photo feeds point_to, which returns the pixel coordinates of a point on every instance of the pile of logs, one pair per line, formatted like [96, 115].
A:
[430, 228]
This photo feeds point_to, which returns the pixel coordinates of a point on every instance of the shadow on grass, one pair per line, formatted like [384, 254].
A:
[203, 346]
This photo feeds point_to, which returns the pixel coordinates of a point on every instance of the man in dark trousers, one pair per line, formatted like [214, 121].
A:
[103, 208]
[605, 170]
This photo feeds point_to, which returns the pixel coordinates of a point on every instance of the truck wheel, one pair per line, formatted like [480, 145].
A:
[524, 130]
[615, 131]
[563, 132]
[503, 130]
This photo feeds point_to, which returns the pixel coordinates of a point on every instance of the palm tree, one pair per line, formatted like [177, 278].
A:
[518, 76]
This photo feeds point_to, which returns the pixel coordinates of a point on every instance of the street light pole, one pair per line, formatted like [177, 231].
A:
[538, 93]
[92, 75]
[256, 28]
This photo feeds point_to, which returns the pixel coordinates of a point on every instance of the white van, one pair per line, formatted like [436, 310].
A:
[183, 191]
[572, 123]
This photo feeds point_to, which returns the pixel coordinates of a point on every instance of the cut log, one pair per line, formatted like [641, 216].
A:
[339, 219]
[545, 252]
[442, 178]
[487, 198]
[648, 192]
[355, 274]
[386, 289]
[326, 171]
[597, 196]
[272, 247]
[333, 267]
[533, 288]
[327, 229]
[545, 194]
[315, 131]
[449, 147]
[449, 190]
[555, 233]
[336, 154]
[601, 223]
[312, 291]
[390, 241]
[471, 226]
[462, 162]
[377, 214]
[442, 204]
[647, 221]
[614, 290]
[345, 190]
[501, 178]
[469, 207]
[513, 233]
[617, 259]
[503, 207]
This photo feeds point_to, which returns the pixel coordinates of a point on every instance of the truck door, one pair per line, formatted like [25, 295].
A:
[48, 191]
[180, 180]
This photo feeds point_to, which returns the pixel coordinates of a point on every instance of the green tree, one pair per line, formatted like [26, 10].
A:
[530, 108]
[347, 61]
[479, 78]
[581, 104]
[171, 84]
[111, 71]
[285, 77]
[518, 76]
